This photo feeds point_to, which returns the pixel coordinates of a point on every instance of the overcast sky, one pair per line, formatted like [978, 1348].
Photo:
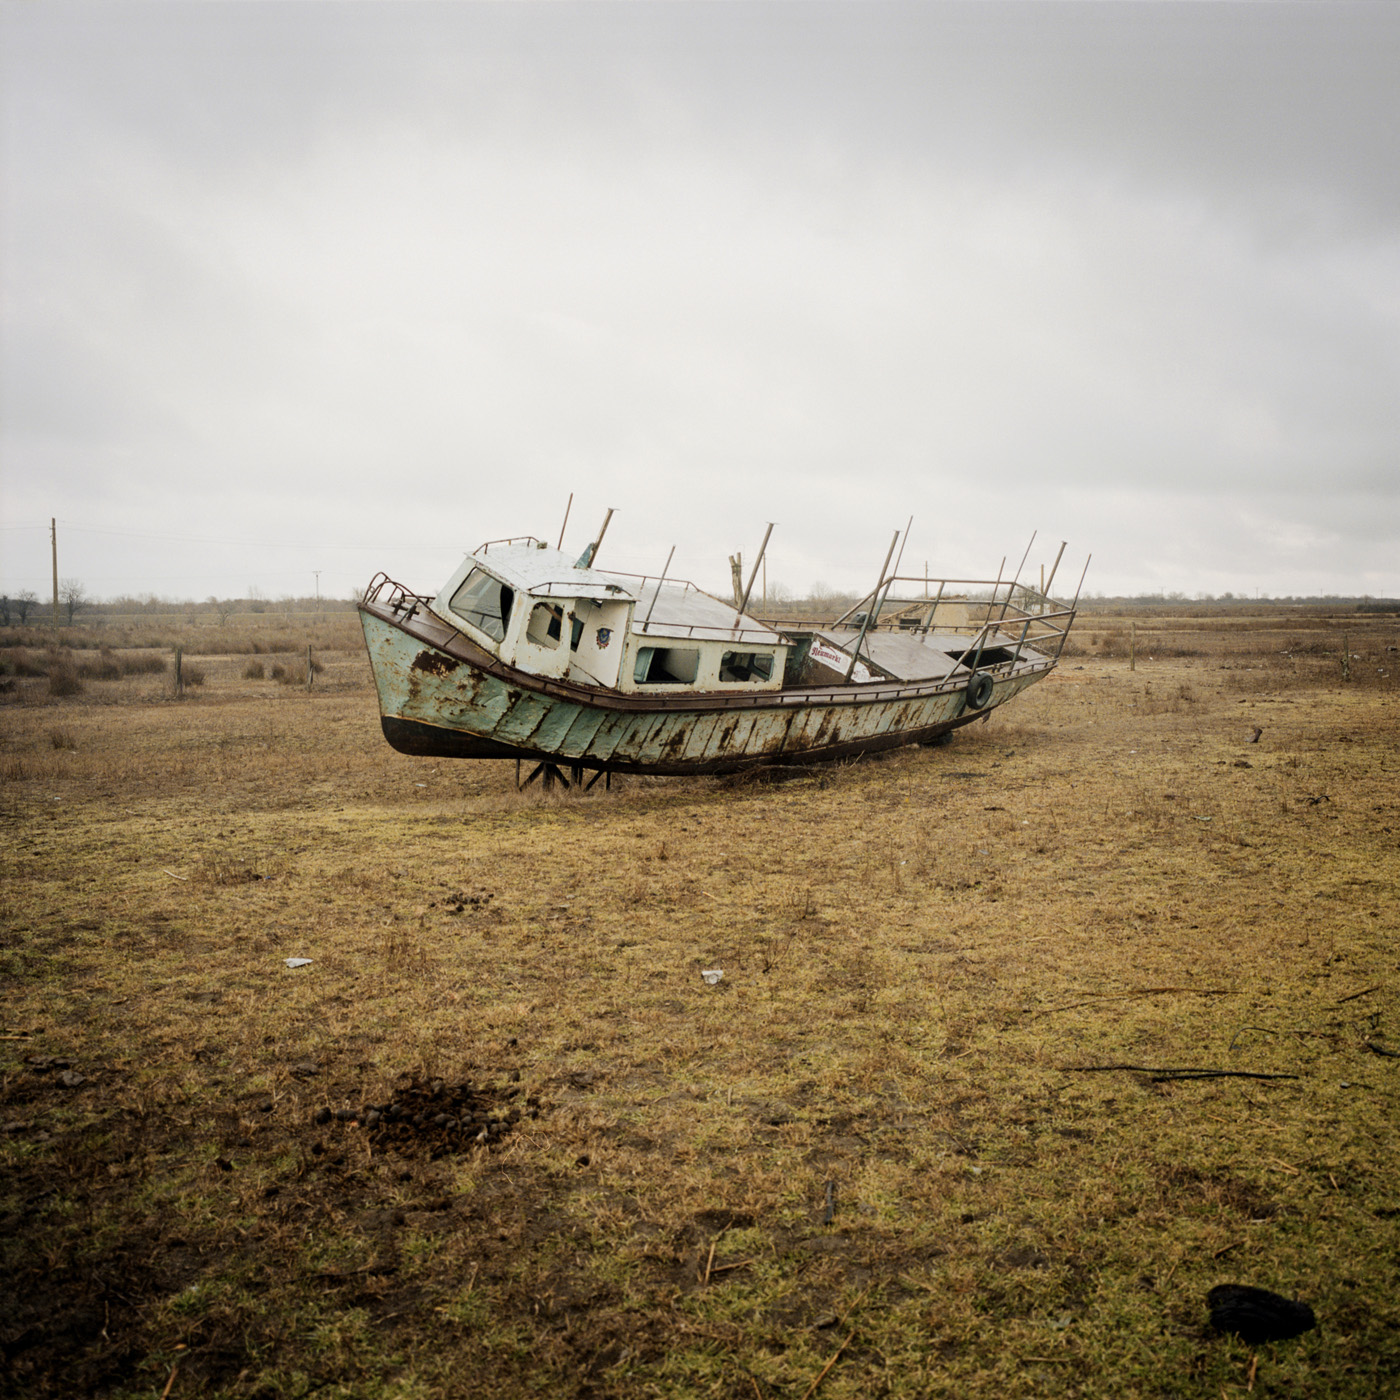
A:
[291, 287]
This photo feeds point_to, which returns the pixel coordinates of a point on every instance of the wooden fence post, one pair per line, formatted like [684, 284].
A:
[179, 675]
[1132, 646]
[309, 672]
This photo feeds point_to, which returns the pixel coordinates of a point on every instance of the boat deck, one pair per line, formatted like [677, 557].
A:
[903, 656]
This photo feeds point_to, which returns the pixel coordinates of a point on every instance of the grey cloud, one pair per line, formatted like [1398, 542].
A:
[1063, 266]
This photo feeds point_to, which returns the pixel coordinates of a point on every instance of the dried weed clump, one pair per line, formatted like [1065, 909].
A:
[63, 675]
[1021, 1046]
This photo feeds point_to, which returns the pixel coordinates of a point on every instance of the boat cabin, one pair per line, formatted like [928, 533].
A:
[538, 610]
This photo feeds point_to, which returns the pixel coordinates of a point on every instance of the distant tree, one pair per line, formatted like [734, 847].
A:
[4, 610]
[23, 602]
[73, 596]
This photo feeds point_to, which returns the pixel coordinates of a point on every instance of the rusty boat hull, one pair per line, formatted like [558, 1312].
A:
[441, 694]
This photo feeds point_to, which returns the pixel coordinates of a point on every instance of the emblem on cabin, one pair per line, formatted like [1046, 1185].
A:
[604, 637]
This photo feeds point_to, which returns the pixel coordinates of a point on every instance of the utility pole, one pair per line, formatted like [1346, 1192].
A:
[53, 536]
[317, 572]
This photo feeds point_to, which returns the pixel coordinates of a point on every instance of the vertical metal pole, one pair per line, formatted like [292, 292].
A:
[1050, 582]
[53, 533]
[989, 623]
[646, 621]
[1074, 606]
[745, 602]
[1021, 641]
[865, 626]
[565, 525]
[933, 611]
[908, 525]
[585, 560]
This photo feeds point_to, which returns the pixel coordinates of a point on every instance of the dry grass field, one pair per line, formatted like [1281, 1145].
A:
[930, 1135]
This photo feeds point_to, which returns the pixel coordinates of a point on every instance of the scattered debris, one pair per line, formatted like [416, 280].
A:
[71, 1079]
[300, 962]
[460, 903]
[1254, 738]
[1159, 1075]
[1353, 996]
[712, 976]
[433, 1118]
[1256, 1315]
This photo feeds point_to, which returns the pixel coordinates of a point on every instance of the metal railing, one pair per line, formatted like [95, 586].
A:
[996, 616]
[400, 601]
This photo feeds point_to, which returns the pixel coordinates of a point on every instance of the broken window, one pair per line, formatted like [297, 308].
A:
[485, 602]
[746, 666]
[666, 665]
[546, 625]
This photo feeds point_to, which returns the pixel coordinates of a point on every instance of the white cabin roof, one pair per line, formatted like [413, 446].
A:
[549, 573]
[679, 610]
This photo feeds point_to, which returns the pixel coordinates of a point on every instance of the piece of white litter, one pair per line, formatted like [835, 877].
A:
[299, 962]
[420, 785]
[712, 976]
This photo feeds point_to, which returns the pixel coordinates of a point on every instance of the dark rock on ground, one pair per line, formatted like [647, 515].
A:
[1256, 1315]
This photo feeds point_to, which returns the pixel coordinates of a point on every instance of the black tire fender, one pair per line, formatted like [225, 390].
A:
[979, 690]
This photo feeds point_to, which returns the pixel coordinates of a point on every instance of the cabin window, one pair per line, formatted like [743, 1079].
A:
[746, 666]
[485, 602]
[575, 633]
[666, 665]
[546, 625]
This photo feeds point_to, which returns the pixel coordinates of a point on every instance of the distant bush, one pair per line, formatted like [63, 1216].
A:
[18, 662]
[105, 668]
[63, 676]
[254, 671]
[143, 663]
[294, 672]
[111, 666]
[191, 675]
[62, 738]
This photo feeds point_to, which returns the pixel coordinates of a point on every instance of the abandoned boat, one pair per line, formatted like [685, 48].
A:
[526, 653]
